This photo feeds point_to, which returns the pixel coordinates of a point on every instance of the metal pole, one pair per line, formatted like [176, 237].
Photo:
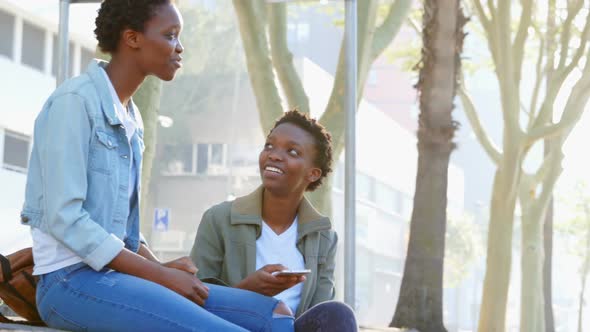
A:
[350, 35]
[62, 41]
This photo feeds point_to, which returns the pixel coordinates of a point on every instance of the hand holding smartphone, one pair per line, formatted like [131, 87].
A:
[291, 273]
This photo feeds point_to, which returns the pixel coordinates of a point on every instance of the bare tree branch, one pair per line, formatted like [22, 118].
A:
[335, 107]
[521, 36]
[550, 178]
[539, 75]
[545, 112]
[579, 51]
[282, 58]
[543, 170]
[385, 33]
[574, 107]
[493, 10]
[510, 88]
[252, 30]
[483, 18]
[483, 138]
[573, 9]
[414, 25]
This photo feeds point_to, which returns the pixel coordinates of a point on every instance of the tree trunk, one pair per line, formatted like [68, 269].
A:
[548, 269]
[581, 303]
[547, 263]
[147, 99]
[421, 291]
[499, 255]
[420, 300]
[584, 274]
[532, 317]
[322, 197]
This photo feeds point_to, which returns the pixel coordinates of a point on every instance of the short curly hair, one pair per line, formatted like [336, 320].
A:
[116, 15]
[323, 141]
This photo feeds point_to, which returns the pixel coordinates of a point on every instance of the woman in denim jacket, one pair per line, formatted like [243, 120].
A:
[244, 243]
[82, 198]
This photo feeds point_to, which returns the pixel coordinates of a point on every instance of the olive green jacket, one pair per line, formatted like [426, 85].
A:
[225, 246]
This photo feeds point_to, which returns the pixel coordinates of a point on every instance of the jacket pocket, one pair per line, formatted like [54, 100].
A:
[103, 153]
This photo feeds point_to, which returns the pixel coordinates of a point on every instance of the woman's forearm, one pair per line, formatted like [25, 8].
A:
[137, 265]
[145, 252]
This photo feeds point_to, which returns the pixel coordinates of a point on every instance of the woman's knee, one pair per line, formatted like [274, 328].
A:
[338, 309]
[328, 316]
[283, 309]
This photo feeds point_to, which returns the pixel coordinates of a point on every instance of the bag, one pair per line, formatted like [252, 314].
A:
[18, 286]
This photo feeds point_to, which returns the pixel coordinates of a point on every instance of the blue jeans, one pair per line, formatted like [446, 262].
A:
[327, 316]
[77, 298]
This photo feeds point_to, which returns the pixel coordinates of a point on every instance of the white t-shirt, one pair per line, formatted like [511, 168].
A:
[281, 249]
[49, 254]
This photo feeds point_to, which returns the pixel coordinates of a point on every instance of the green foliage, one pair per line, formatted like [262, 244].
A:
[577, 226]
[463, 244]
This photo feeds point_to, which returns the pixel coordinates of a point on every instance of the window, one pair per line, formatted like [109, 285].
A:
[217, 154]
[179, 159]
[303, 32]
[56, 57]
[33, 53]
[202, 158]
[385, 197]
[211, 159]
[16, 151]
[6, 33]
[365, 187]
[191, 159]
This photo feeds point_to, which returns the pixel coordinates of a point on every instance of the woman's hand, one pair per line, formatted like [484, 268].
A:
[263, 282]
[184, 283]
[177, 275]
[183, 264]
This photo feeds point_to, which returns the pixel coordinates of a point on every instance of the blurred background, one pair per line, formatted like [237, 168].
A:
[515, 218]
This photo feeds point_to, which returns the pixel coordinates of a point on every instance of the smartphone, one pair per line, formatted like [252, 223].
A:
[289, 273]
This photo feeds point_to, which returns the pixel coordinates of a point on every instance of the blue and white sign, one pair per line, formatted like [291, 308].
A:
[161, 219]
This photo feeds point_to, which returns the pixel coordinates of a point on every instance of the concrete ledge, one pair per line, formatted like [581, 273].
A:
[23, 328]
[383, 329]
[26, 328]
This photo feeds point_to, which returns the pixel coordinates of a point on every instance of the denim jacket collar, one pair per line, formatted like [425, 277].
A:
[102, 87]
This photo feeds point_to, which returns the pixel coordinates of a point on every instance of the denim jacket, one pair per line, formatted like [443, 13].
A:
[78, 179]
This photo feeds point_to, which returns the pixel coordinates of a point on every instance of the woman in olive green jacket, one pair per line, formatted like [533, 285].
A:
[275, 228]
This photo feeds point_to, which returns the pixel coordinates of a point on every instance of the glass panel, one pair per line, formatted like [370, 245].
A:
[6, 33]
[365, 187]
[385, 197]
[178, 159]
[55, 59]
[33, 51]
[202, 158]
[16, 150]
[217, 154]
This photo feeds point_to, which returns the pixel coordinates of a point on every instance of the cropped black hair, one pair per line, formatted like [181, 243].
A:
[114, 16]
[323, 141]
